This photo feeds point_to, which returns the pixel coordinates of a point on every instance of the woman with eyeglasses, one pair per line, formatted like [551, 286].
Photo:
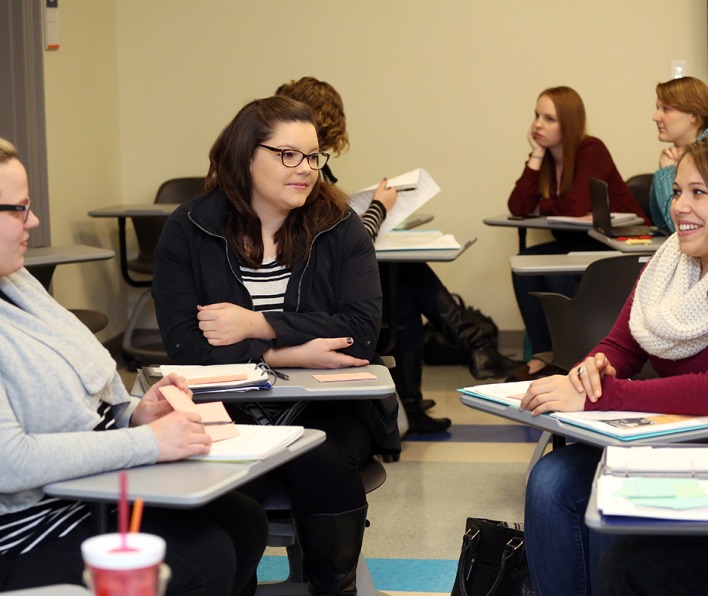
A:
[271, 265]
[555, 181]
[65, 413]
[682, 118]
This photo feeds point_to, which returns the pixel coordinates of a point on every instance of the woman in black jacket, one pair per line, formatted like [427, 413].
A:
[271, 265]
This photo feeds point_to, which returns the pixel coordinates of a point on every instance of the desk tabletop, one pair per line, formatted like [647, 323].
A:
[182, 484]
[539, 222]
[647, 246]
[59, 255]
[135, 210]
[419, 256]
[569, 264]
[558, 427]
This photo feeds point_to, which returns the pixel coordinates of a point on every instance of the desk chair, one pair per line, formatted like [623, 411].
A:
[281, 533]
[640, 186]
[147, 233]
[577, 324]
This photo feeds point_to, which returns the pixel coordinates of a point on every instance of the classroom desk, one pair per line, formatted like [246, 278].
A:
[558, 427]
[622, 246]
[637, 525]
[42, 261]
[573, 263]
[301, 386]
[540, 223]
[123, 212]
[182, 484]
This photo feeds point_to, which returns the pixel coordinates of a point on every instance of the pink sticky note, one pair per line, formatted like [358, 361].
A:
[210, 411]
[329, 378]
[219, 432]
[217, 379]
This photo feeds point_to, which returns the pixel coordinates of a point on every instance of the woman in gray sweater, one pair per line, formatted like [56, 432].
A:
[64, 413]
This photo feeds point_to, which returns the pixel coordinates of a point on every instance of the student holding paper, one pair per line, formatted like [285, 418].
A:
[665, 321]
[271, 264]
[555, 181]
[64, 413]
[419, 290]
[682, 118]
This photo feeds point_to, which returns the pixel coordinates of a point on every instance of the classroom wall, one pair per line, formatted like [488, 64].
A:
[139, 90]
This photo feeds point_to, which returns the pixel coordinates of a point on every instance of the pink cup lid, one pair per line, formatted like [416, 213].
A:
[104, 552]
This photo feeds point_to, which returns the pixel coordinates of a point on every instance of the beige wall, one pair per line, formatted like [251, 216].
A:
[139, 90]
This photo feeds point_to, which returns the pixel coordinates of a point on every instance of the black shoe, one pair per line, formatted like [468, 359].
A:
[487, 363]
[426, 404]
[420, 423]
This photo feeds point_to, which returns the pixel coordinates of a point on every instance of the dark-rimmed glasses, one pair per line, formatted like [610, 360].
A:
[292, 158]
[25, 208]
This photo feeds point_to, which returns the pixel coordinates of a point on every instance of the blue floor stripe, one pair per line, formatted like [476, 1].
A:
[398, 575]
[482, 433]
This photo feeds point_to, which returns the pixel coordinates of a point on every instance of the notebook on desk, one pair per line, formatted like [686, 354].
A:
[602, 217]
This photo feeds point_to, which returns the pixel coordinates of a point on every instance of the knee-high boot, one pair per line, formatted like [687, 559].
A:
[331, 543]
[477, 342]
[407, 376]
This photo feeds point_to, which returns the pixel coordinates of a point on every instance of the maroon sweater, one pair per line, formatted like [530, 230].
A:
[681, 389]
[591, 160]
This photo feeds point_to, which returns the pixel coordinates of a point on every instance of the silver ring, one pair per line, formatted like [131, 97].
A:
[581, 370]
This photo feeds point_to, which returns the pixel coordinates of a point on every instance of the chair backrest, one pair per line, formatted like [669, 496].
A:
[578, 324]
[147, 229]
[640, 186]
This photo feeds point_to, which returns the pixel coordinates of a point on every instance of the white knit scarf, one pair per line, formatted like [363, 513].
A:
[669, 316]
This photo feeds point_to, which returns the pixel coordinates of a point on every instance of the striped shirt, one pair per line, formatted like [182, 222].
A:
[50, 518]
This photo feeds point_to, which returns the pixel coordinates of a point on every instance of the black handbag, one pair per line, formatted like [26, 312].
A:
[493, 560]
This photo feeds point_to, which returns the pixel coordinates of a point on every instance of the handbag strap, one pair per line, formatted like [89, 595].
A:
[467, 561]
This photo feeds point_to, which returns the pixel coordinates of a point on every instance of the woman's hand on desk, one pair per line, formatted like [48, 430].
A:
[552, 394]
[224, 324]
[180, 435]
[317, 353]
[587, 376]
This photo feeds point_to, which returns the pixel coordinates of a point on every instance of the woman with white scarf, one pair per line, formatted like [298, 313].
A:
[65, 413]
[664, 321]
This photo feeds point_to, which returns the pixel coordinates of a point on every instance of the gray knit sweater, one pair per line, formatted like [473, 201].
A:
[53, 374]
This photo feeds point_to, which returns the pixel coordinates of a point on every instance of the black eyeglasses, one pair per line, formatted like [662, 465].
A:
[18, 208]
[292, 158]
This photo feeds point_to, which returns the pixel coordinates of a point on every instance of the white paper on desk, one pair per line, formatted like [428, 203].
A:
[254, 442]
[656, 460]
[425, 188]
[416, 240]
[585, 221]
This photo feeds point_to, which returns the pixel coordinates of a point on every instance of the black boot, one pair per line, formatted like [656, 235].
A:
[408, 376]
[331, 543]
[475, 337]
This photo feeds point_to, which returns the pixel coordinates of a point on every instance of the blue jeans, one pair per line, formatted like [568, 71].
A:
[562, 551]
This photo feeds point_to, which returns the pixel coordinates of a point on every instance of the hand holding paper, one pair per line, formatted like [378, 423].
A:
[216, 420]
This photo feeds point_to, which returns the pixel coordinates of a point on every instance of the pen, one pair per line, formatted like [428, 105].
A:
[281, 375]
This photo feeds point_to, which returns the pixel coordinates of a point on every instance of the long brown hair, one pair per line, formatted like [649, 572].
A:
[328, 107]
[229, 169]
[688, 95]
[698, 152]
[571, 119]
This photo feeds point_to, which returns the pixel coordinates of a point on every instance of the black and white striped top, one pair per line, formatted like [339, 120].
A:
[267, 285]
[50, 518]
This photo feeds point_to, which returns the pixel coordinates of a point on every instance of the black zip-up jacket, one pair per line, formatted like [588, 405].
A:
[336, 292]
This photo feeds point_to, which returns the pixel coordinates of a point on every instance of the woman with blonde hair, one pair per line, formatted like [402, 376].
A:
[555, 181]
[682, 118]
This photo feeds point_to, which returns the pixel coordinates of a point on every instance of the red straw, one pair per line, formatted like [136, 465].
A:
[123, 510]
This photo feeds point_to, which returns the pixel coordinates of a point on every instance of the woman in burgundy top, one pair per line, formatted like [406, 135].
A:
[665, 321]
[555, 181]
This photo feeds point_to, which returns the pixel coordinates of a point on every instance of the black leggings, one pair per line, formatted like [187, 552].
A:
[213, 550]
[325, 479]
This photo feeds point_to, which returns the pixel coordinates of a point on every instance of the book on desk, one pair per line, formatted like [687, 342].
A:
[618, 425]
[213, 378]
[654, 482]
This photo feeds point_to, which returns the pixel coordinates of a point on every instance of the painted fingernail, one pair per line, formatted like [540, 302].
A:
[350, 341]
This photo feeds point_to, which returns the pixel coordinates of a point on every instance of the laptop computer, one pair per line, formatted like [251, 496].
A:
[602, 217]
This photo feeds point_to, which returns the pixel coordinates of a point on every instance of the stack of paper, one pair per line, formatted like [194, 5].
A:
[416, 240]
[415, 188]
[253, 442]
[618, 219]
[654, 482]
[219, 377]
